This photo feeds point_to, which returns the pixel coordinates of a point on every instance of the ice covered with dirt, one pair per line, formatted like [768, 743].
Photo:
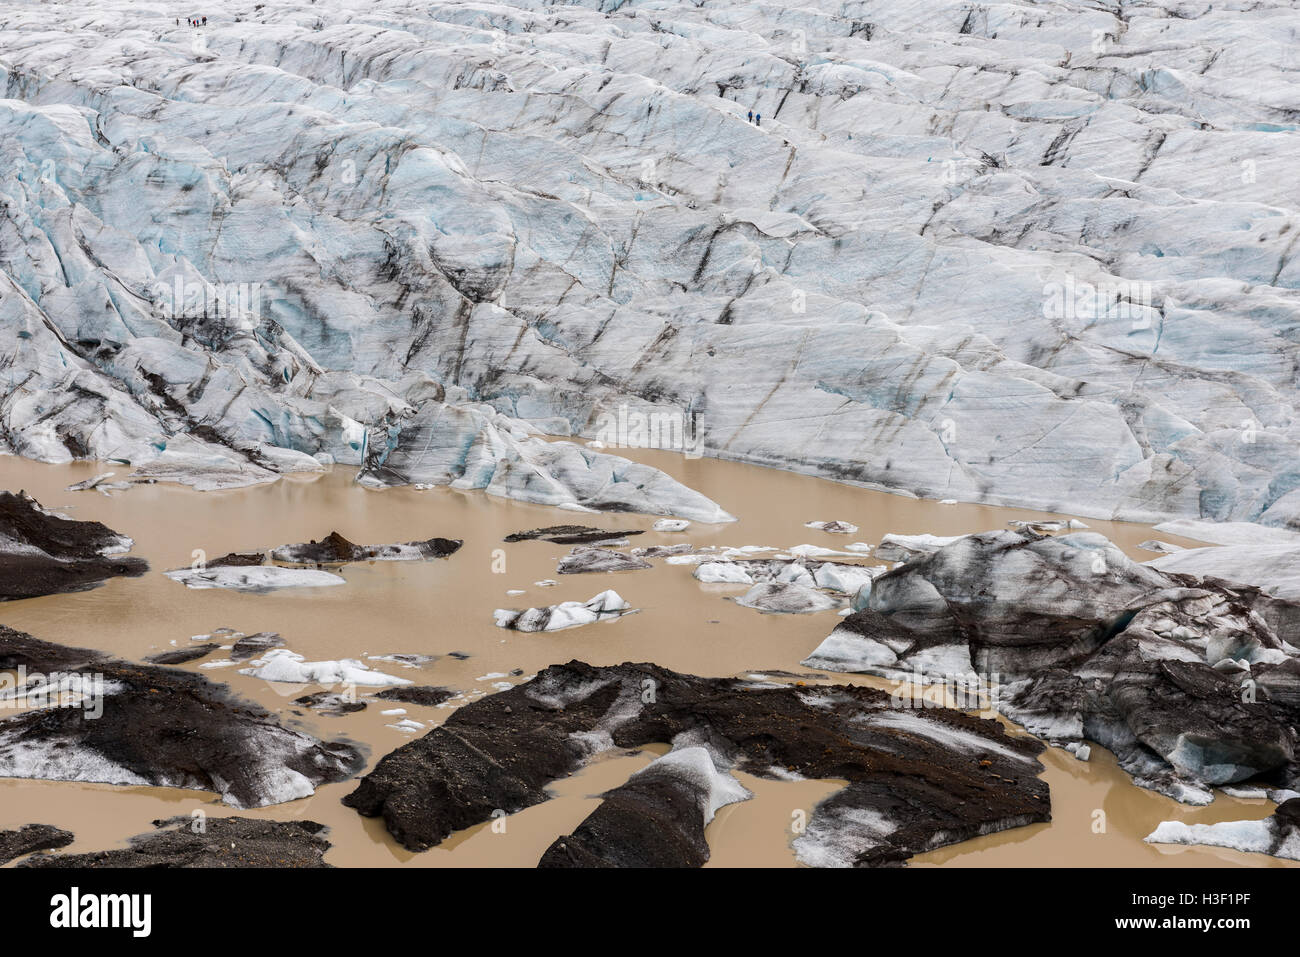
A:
[1192, 682]
[1037, 255]
[566, 614]
[141, 725]
[253, 578]
[944, 778]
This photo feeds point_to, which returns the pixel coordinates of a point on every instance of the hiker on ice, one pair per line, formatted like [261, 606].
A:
[758, 119]
[751, 116]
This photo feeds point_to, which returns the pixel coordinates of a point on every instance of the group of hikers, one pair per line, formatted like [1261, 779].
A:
[756, 118]
[194, 21]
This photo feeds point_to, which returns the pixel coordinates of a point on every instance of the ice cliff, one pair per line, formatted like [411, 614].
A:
[1029, 253]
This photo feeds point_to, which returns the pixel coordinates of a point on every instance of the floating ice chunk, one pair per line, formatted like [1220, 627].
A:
[664, 551]
[1048, 525]
[569, 614]
[590, 558]
[334, 549]
[1254, 837]
[281, 664]
[834, 527]
[816, 551]
[727, 572]
[786, 599]
[1243, 793]
[405, 660]
[253, 578]
[671, 525]
[407, 724]
[689, 559]
[90, 483]
[745, 551]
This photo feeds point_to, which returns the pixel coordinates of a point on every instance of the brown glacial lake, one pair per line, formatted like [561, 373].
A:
[444, 606]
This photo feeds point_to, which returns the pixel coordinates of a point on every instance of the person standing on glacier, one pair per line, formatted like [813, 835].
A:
[751, 116]
[758, 119]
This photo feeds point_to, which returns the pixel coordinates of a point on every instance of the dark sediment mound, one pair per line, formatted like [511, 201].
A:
[331, 704]
[1172, 673]
[208, 842]
[917, 779]
[180, 656]
[251, 646]
[42, 553]
[32, 837]
[573, 534]
[656, 819]
[334, 549]
[428, 695]
[239, 560]
[142, 724]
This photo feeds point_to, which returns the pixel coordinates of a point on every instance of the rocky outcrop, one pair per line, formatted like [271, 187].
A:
[208, 842]
[1075, 641]
[42, 552]
[32, 837]
[145, 725]
[916, 780]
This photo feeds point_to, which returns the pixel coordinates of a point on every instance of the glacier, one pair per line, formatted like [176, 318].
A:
[1018, 253]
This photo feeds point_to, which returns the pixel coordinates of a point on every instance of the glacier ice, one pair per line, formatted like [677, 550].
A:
[1041, 259]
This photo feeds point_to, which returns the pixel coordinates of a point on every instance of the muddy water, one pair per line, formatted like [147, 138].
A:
[446, 606]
